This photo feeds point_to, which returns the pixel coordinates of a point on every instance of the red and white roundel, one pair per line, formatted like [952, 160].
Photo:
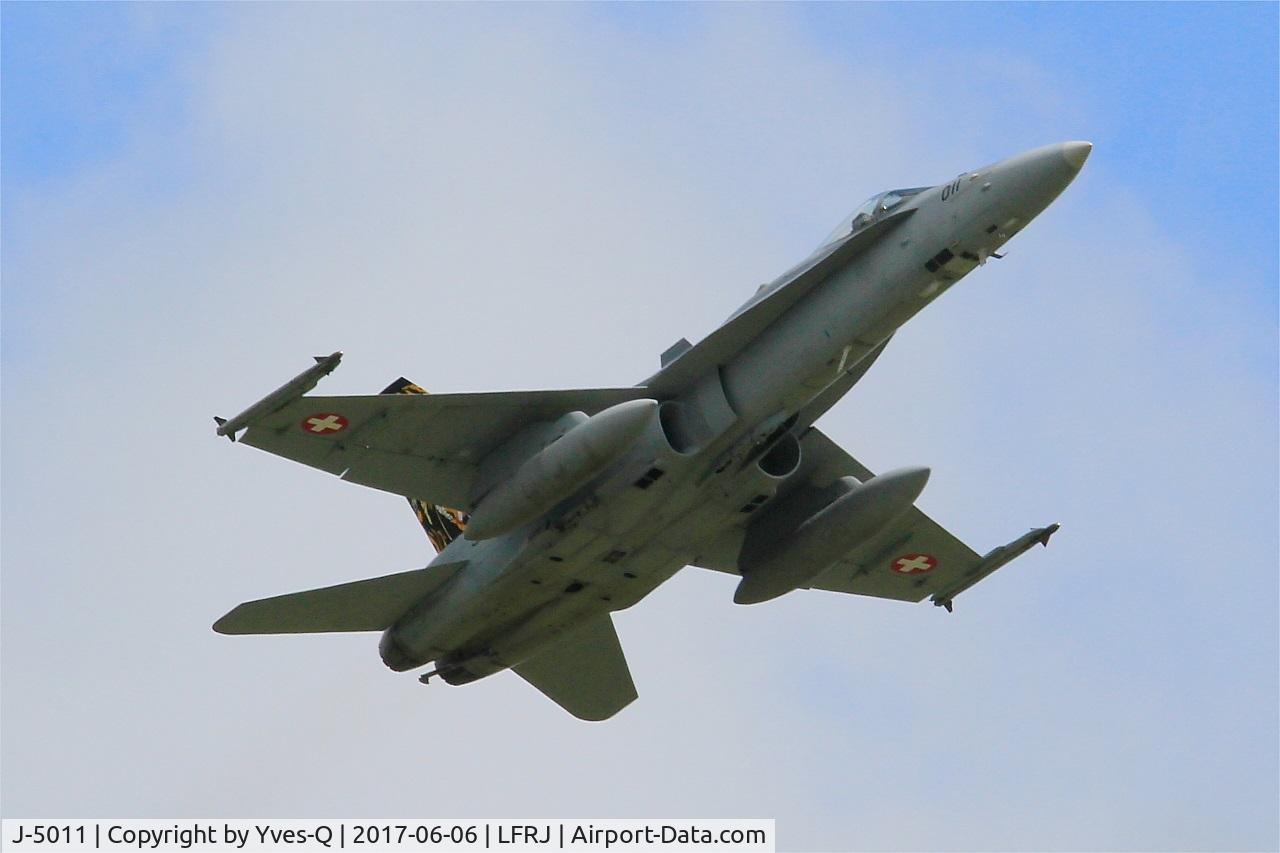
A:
[914, 564]
[324, 423]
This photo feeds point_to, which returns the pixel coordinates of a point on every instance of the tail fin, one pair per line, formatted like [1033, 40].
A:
[442, 524]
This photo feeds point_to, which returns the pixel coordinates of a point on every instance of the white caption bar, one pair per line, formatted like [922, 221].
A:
[313, 836]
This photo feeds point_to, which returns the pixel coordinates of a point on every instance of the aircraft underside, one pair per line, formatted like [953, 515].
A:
[553, 509]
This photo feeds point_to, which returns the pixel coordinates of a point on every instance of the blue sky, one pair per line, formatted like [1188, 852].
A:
[1183, 93]
[199, 197]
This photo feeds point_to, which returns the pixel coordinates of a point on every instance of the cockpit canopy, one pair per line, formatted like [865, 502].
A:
[870, 211]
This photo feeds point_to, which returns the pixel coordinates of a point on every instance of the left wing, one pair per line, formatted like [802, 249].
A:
[911, 559]
[585, 672]
[425, 446]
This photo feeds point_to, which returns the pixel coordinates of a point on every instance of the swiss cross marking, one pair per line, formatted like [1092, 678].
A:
[914, 564]
[324, 423]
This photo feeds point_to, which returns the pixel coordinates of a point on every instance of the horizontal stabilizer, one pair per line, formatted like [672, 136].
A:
[585, 672]
[368, 605]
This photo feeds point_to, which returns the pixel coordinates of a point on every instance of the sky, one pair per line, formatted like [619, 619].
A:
[197, 198]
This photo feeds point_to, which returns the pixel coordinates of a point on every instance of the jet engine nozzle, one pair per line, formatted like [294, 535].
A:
[394, 655]
[779, 561]
[557, 470]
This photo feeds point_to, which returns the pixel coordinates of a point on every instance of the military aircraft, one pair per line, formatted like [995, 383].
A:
[550, 510]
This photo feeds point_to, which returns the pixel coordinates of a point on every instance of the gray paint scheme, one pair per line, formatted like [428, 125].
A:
[720, 473]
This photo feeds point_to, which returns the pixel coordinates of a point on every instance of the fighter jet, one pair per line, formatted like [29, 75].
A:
[550, 510]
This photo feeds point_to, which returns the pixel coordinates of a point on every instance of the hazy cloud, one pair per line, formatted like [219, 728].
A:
[531, 196]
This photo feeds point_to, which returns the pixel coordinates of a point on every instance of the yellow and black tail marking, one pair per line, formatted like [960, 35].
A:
[403, 386]
[441, 523]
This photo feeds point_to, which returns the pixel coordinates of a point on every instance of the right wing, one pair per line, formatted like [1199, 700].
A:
[584, 672]
[914, 557]
[911, 559]
[425, 446]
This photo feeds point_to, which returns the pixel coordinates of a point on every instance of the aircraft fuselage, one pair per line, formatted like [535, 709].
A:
[722, 442]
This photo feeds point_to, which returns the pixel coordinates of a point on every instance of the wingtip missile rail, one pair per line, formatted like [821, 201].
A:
[282, 396]
[995, 559]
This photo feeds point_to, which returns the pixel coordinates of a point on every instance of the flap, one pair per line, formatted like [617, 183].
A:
[585, 672]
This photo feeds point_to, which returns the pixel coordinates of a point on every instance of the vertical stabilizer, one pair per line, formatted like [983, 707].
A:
[442, 524]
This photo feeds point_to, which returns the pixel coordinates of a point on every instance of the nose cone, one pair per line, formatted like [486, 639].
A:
[1028, 182]
[1075, 153]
